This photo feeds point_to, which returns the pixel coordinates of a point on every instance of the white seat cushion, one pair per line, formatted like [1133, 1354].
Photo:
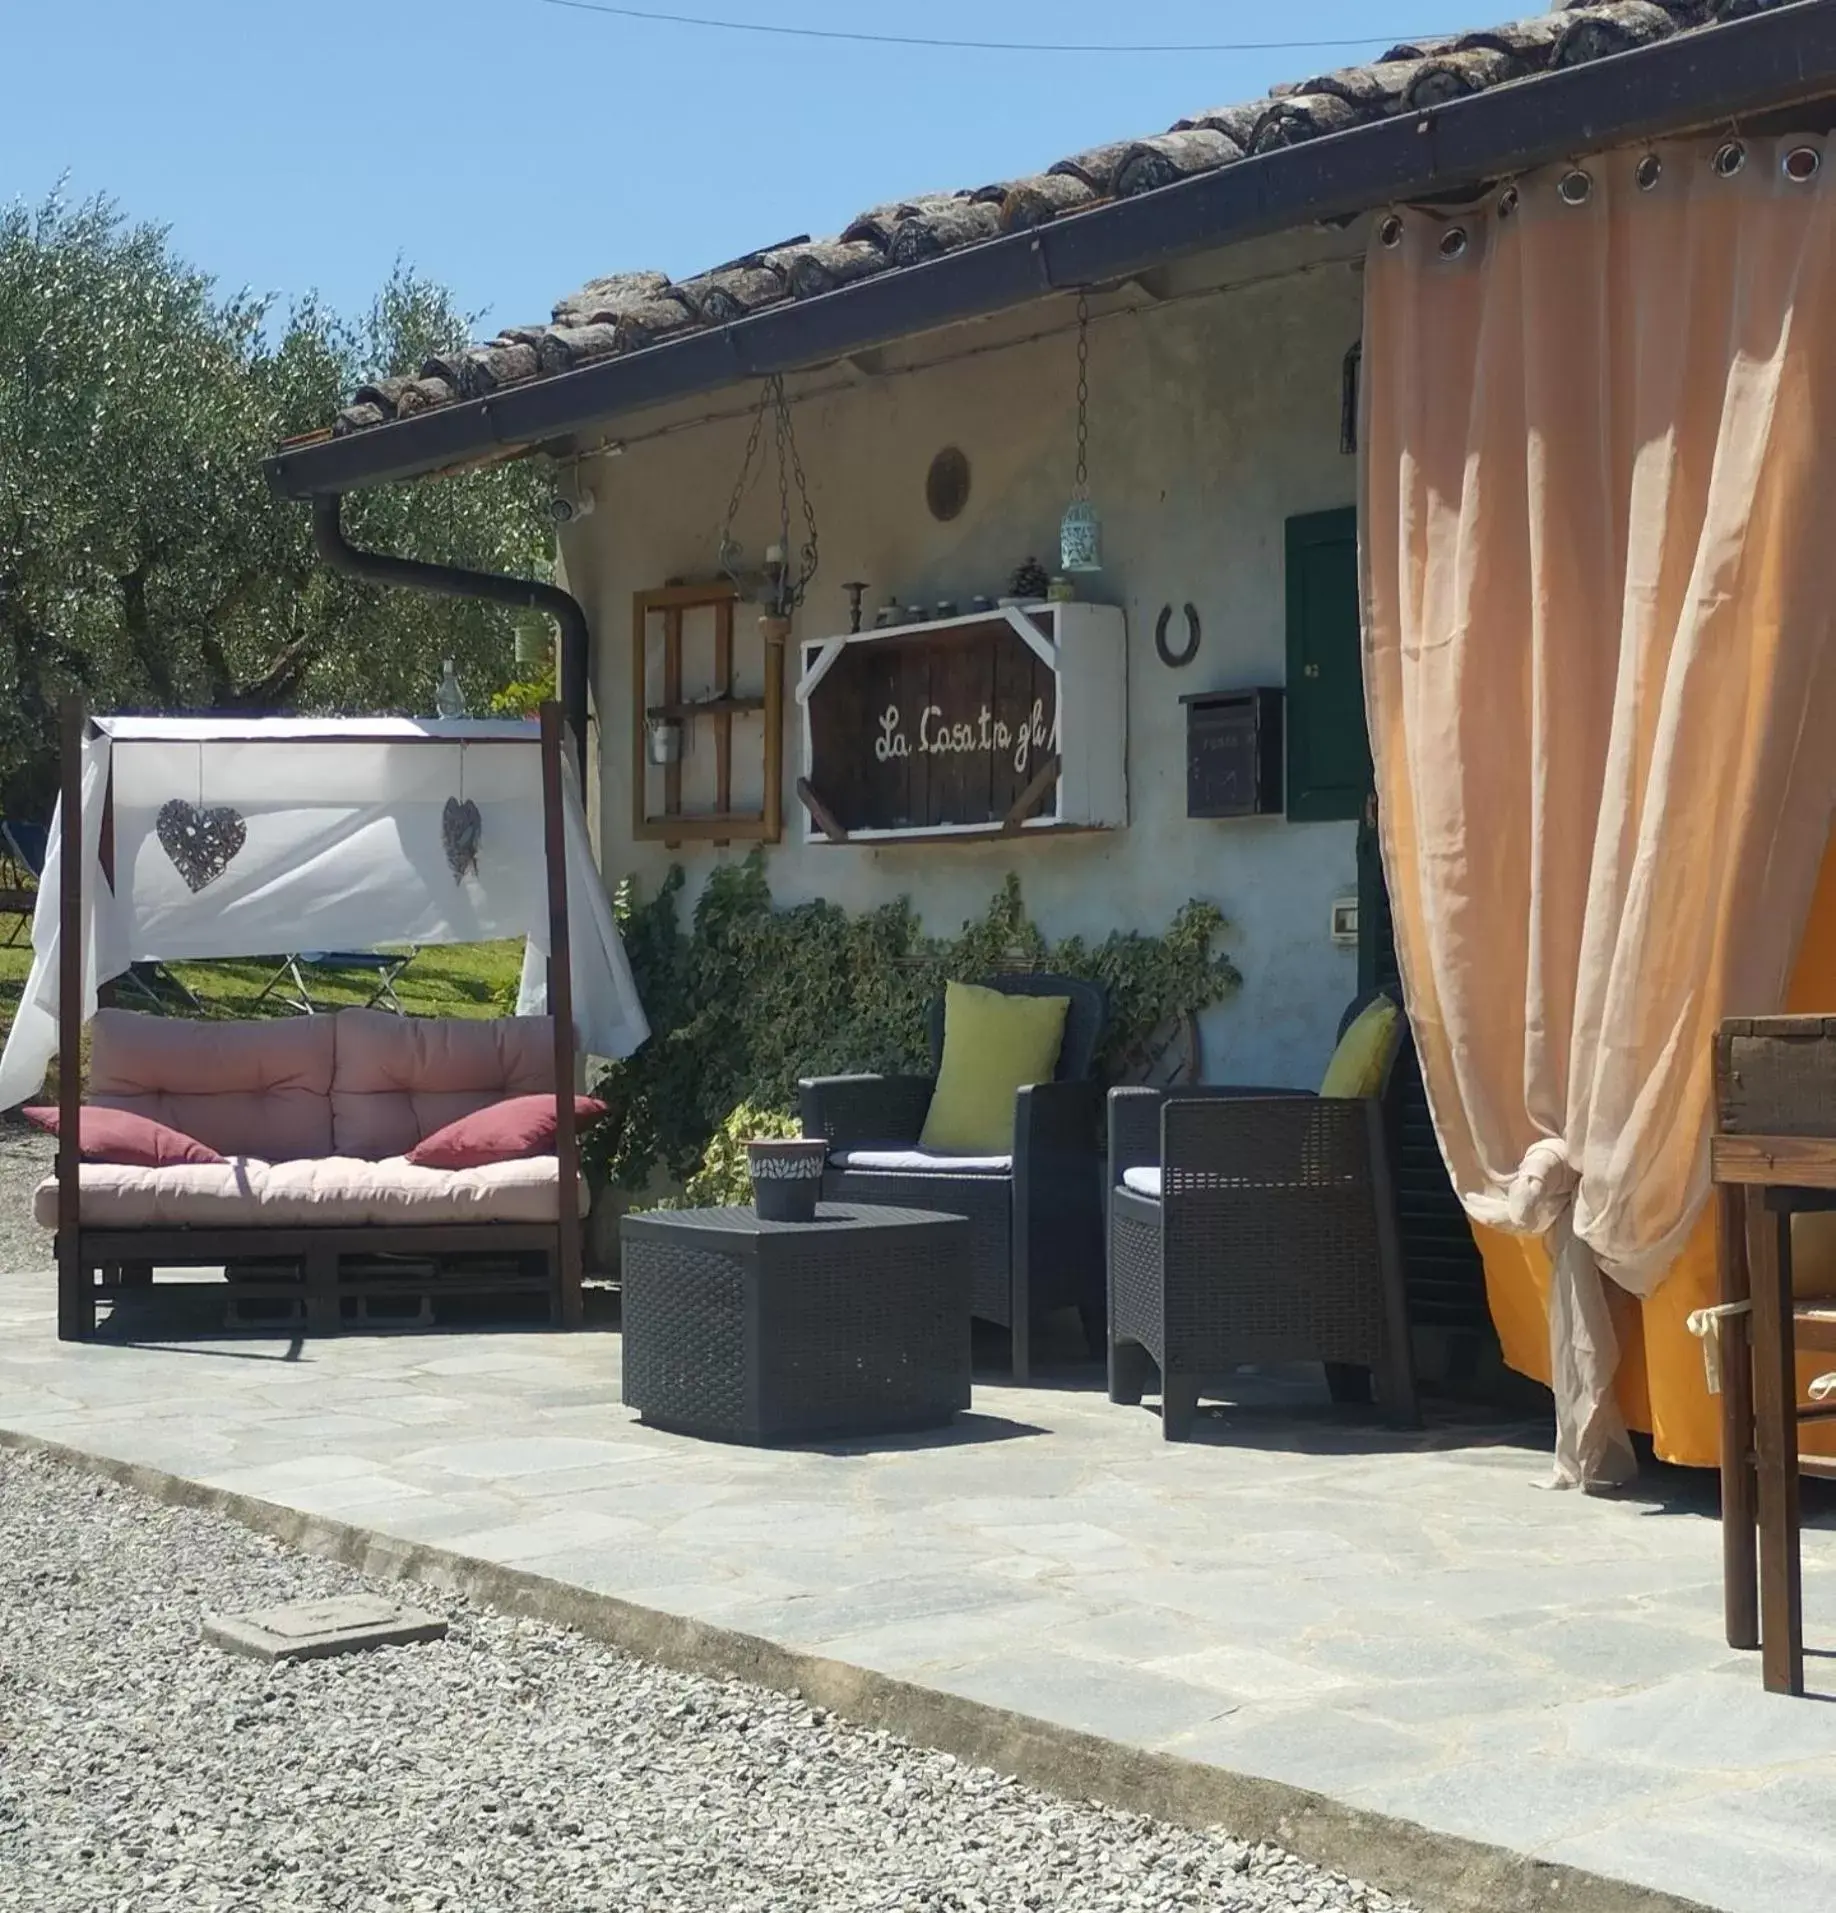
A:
[331, 1192]
[1142, 1182]
[909, 1160]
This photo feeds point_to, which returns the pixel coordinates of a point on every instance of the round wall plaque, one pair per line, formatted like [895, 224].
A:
[946, 484]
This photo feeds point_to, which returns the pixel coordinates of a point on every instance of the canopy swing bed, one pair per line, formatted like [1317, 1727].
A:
[314, 1154]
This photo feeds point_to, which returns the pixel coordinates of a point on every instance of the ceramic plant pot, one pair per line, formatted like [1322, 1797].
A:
[786, 1176]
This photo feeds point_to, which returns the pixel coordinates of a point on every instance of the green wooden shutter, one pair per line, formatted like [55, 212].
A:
[1328, 748]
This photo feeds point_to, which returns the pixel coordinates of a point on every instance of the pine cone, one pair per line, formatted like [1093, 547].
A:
[1031, 581]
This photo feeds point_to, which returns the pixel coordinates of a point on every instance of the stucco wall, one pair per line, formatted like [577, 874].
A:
[1212, 420]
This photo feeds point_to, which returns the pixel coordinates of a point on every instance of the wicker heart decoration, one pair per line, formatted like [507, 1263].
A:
[201, 843]
[460, 829]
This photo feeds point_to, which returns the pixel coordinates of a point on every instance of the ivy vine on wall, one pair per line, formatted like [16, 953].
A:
[749, 997]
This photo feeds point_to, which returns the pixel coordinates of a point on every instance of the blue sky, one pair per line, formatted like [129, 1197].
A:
[513, 149]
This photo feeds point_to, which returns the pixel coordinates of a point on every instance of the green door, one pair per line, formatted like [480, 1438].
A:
[1328, 748]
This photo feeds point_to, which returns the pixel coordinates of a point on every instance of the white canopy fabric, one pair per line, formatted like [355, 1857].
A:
[247, 837]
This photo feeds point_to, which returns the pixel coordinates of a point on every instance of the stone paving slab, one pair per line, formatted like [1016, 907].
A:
[1411, 1625]
[318, 1629]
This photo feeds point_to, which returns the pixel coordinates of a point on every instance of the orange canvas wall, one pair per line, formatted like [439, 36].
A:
[1661, 1387]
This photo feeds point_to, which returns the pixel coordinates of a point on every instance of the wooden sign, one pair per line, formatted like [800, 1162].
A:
[932, 728]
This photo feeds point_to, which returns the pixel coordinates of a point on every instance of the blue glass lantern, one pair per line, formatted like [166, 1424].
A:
[1080, 537]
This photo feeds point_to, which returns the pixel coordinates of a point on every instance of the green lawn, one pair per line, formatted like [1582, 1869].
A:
[460, 979]
[454, 979]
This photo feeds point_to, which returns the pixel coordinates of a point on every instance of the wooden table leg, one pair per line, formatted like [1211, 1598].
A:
[1775, 1411]
[1739, 1539]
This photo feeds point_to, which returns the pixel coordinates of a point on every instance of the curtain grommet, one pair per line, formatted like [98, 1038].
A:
[1453, 242]
[1507, 202]
[1389, 232]
[1648, 172]
[1730, 157]
[1575, 187]
[1801, 165]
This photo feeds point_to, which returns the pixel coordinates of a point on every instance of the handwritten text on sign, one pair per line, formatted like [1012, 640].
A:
[987, 733]
[932, 730]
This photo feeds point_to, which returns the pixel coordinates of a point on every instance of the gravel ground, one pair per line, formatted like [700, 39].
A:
[25, 1160]
[511, 1766]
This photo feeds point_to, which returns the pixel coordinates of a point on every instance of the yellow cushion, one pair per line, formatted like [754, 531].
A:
[994, 1045]
[1357, 1064]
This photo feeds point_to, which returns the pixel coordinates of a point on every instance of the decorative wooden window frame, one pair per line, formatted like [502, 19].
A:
[671, 825]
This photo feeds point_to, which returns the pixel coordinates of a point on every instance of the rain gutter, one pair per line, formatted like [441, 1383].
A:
[456, 581]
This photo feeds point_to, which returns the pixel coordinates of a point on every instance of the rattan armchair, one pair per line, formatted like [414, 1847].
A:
[1257, 1225]
[1035, 1217]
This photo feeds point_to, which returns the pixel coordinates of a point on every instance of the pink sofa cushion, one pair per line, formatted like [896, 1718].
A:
[258, 1089]
[398, 1079]
[338, 1192]
[118, 1135]
[501, 1132]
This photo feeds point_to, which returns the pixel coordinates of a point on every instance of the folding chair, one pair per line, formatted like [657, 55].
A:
[154, 986]
[22, 855]
[383, 966]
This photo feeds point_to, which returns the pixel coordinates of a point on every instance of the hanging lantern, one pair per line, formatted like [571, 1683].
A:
[785, 579]
[663, 740]
[1080, 532]
[1080, 537]
[534, 636]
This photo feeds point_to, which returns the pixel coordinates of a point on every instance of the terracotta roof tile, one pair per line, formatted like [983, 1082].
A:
[1034, 202]
[600, 301]
[1441, 77]
[718, 298]
[1304, 116]
[628, 311]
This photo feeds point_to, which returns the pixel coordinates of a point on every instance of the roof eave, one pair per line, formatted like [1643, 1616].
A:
[1772, 60]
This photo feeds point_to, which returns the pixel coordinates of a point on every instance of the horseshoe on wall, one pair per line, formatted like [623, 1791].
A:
[1168, 656]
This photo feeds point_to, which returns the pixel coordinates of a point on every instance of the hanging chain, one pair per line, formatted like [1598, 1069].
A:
[729, 550]
[789, 588]
[788, 454]
[1083, 396]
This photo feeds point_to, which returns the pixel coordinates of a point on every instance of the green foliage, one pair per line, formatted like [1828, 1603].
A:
[723, 1179]
[523, 696]
[143, 559]
[751, 997]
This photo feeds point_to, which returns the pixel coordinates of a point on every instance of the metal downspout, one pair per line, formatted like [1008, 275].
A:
[455, 581]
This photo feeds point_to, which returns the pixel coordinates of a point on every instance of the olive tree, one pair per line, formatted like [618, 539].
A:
[143, 558]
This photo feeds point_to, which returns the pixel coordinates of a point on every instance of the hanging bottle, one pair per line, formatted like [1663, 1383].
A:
[449, 699]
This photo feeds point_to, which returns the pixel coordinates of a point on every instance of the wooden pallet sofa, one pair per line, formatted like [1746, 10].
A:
[315, 1118]
[229, 836]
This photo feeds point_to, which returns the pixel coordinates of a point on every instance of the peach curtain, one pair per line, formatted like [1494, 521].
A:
[1600, 571]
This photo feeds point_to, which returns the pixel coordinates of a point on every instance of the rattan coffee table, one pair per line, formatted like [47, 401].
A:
[742, 1330]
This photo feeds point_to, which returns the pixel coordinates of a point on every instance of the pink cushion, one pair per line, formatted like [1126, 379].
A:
[118, 1135]
[502, 1132]
[398, 1079]
[257, 1089]
[338, 1192]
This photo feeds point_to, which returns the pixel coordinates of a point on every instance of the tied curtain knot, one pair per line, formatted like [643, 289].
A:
[1593, 1451]
[1542, 1191]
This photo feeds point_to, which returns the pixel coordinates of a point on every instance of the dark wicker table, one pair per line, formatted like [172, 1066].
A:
[754, 1331]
